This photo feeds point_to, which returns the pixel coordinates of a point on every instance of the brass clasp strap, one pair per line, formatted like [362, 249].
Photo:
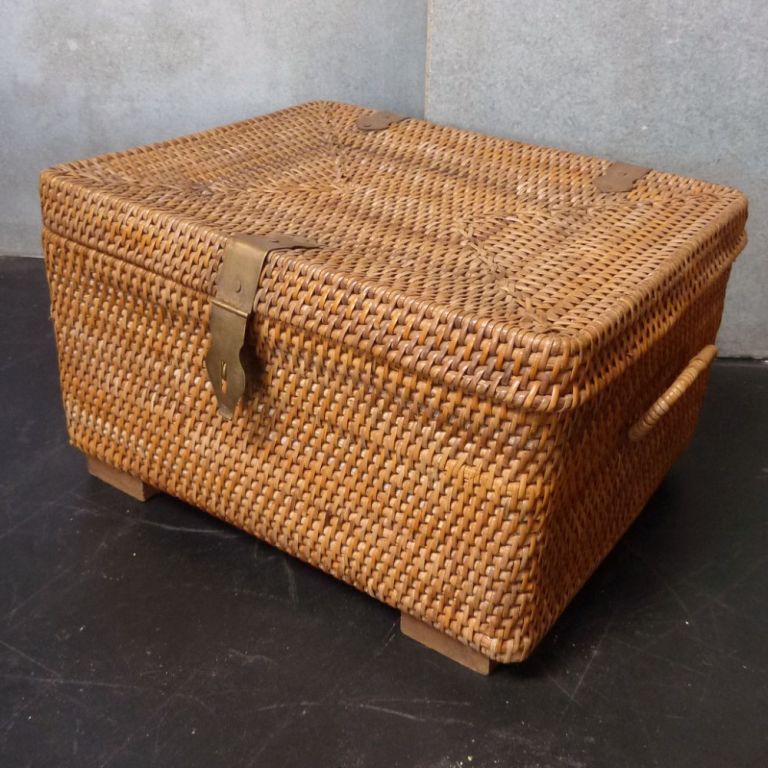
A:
[236, 285]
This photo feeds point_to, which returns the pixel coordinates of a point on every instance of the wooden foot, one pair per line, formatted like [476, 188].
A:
[120, 480]
[447, 646]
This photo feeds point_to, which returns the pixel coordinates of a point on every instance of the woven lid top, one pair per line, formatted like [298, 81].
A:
[491, 264]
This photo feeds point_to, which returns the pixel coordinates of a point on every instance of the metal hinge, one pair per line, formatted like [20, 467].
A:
[236, 285]
[620, 177]
[377, 121]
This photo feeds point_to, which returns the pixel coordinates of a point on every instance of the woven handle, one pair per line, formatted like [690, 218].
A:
[653, 415]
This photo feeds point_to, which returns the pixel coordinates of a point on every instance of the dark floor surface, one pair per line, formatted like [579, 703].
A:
[154, 635]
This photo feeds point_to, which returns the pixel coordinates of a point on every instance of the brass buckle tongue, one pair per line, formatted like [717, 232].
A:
[231, 308]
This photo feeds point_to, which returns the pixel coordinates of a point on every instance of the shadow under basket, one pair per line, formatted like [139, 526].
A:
[445, 368]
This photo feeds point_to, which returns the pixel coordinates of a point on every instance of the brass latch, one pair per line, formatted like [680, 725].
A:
[377, 121]
[238, 279]
[620, 177]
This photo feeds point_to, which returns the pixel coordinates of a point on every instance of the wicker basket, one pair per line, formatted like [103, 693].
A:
[456, 400]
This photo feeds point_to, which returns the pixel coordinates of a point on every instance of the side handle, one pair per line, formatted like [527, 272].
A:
[691, 372]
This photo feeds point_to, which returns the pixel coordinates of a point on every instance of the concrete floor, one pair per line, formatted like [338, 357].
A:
[154, 635]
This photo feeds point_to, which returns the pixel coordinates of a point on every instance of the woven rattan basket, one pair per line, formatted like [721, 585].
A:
[466, 362]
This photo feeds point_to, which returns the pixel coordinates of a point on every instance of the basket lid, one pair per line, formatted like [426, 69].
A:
[492, 265]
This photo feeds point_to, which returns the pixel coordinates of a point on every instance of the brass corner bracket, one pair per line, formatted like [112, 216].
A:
[377, 121]
[231, 308]
[620, 177]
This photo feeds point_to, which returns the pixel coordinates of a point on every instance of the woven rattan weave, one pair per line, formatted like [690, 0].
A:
[461, 397]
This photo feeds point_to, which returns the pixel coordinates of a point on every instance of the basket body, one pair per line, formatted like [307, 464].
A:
[442, 413]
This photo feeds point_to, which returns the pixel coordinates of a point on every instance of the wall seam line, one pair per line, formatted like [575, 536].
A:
[428, 57]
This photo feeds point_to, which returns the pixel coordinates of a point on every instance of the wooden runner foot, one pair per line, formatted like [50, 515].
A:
[120, 480]
[445, 645]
